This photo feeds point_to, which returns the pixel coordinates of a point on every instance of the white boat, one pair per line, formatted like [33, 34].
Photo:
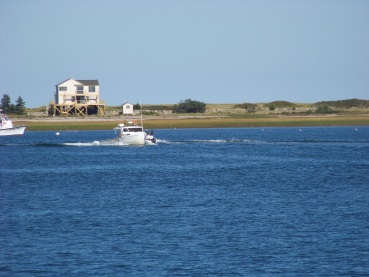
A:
[131, 134]
[7, 127]
[150, 137]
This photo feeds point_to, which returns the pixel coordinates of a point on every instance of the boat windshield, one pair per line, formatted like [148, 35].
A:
[135, 129]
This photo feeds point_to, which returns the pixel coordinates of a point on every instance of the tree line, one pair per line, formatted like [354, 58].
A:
[18, 108]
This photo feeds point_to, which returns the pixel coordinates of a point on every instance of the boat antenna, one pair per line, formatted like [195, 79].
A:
[141, 114]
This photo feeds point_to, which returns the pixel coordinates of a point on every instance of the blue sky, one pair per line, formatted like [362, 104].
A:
[221, 51]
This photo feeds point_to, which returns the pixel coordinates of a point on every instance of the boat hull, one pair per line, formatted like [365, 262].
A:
[15, 131]
[133, 138]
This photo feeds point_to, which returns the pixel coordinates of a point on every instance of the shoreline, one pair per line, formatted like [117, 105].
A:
[193, 121]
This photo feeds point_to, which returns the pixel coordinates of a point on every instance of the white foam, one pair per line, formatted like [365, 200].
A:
[80, 143]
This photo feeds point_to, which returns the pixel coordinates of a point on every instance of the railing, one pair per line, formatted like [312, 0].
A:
[91, 101]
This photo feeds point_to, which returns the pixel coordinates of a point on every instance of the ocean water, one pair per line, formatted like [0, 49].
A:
[201, 202]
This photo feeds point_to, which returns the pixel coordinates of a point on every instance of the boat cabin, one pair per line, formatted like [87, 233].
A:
[130, 128]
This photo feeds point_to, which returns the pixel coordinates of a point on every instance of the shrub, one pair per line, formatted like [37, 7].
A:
[247, 106]
[348, 103]
[189, 106]
[324, 110]
[282, 104]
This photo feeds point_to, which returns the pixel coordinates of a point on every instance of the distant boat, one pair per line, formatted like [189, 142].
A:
[7, 127]
[131, 134]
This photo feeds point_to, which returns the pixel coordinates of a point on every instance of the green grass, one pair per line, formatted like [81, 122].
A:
[201, 122]
[60, 126]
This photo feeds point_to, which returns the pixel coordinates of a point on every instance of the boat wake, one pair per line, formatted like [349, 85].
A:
[109, 142]
[117, 142]
[254, 141]
[94, 143]
[215, 141]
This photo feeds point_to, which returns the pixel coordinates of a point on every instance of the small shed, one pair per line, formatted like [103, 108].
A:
[127, 108]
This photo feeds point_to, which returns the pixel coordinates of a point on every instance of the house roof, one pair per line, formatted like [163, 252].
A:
[83, 82]
[65, 81]
[89, 82]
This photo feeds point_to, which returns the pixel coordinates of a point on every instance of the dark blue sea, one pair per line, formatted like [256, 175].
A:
[201, 202]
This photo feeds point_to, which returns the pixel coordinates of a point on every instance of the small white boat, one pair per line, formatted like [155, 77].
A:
[7, 127]
[131, 134]
[150, 137]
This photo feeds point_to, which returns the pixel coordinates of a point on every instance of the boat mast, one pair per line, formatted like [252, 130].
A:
[141, 114]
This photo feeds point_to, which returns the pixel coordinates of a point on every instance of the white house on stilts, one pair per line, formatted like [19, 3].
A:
[77, 97]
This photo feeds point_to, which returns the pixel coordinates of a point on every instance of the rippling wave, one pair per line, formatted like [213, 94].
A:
[203, 202]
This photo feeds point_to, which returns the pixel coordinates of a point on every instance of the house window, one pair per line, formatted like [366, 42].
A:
[79, 89]
[128, 107]
[62, 88]
[91, 89]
